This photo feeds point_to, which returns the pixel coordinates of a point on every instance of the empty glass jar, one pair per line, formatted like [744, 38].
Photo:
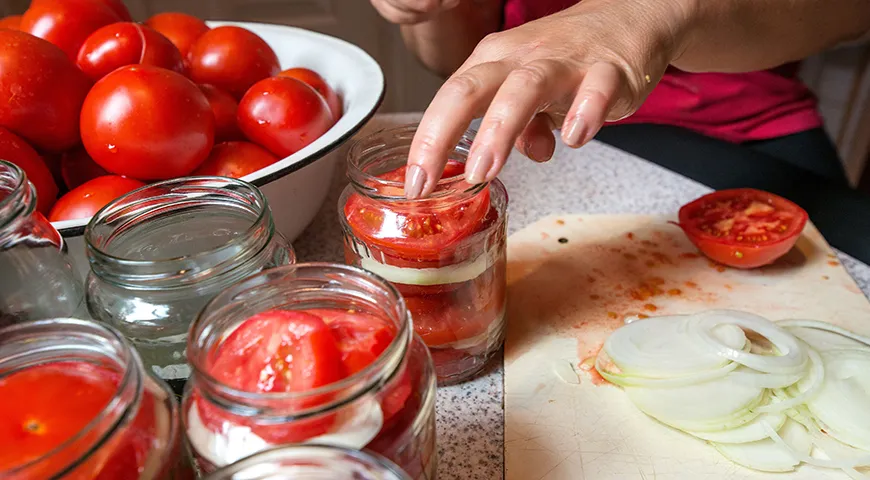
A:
[37, 278]
[158, 254]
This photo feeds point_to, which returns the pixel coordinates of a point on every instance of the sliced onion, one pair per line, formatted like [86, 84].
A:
[842, 405]
[808, 387]
[604, 365]
[804, 456]
[766, 380]
[770, 455]
[751, 432]
[793, 356]
[662, 347]
[827, 327]
[458, 273]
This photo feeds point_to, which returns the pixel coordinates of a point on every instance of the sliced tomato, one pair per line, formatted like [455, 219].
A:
[139, 441]
[743, 228]
[419, 231]
[361, 337]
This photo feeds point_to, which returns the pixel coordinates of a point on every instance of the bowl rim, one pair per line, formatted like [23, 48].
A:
[78, 226]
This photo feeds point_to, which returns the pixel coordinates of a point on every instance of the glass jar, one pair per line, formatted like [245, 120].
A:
[444, 253]
[312, 462]
[232, 407]
[38, 279]
[87, 409]
[159, 253]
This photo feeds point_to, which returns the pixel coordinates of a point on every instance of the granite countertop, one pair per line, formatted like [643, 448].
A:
[594, 179]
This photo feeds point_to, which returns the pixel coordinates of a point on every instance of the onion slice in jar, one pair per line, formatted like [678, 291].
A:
[458, 273]
[793, 357]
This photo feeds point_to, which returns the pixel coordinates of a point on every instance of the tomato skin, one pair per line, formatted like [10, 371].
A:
[737, 251]
[181, 29]
[41, 92]
[12, 22]
[14, 149]
[77, 167]
[283, 115]
[147, 123]
[232, 59]
[67, 23]
[315, 81]
[225, 109]
[235, 160]
[126, 43]
[86, 199]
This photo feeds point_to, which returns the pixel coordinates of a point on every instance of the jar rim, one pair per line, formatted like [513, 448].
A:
[169, 193]
[374, 186]
[397, 349]
[15, 203]
[131, 380]
[292, 451]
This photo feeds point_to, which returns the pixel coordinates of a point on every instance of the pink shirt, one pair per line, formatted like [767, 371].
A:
[735, 107]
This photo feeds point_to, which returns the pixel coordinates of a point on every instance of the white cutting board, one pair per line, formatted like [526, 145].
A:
[565, 297]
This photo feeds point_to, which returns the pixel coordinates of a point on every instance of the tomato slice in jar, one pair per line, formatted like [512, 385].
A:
[440, 321]
[743, 228]
[34, 424]
[417, 231]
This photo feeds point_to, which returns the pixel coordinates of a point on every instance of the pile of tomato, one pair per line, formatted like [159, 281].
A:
[93, 105]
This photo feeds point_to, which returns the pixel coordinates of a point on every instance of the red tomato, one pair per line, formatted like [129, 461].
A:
[232, 59]
[235, 160]
[67, 23]
[743, 228]
[225, 108]
[315, 81]
[88, 198]
[41, 92]
[31, 422]
[283, 115]
[181, 29]
[147, 123]
[137, 444]
[77, 167]
[12, 22]
[119, 8]
[361, 338]
[440, 320]
[420, 232]
[127, 43]
[14, 149]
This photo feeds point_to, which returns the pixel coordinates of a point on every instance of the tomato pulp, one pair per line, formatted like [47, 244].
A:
[743, 228]
[282, 351]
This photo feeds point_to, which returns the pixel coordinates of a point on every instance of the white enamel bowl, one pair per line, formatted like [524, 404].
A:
[297, 186]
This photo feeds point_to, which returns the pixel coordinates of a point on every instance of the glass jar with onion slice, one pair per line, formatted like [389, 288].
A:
[77, 404]
[312, 462]
[38, 279]
[159, 253]
[444, 253]
[313, 353]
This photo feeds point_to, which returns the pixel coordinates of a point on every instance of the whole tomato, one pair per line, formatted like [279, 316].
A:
[235, 159]
[127, 43]
[88, 198]
[67, 23]
[14, 149]
[147, 123]
[315, 81]
[232, 59]
[77, 167]
[283, 115]
[41, 92]
[181, 29]
[224, 107]
[12, 22]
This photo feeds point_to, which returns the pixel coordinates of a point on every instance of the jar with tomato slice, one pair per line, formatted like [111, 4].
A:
[313, 462]
[444, 253]
[77, 404]
[159, 253]
[315, 353]
[38, 279]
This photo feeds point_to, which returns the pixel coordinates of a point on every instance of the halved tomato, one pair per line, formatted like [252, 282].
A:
[426, 230]
[743, 228]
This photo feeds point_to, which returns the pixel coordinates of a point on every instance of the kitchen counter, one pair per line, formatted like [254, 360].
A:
[594, 179]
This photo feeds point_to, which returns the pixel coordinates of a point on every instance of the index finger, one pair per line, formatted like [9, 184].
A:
[457, 103]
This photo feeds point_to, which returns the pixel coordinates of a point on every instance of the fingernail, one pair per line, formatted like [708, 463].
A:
[415, 180]
[478, 167]
[539, 149]
[577, 131]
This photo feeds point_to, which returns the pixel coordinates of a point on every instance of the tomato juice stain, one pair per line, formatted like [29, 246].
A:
[833, 263]
[629, 236]
[560, 222]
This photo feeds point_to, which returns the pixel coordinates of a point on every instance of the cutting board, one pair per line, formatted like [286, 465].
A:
[573, 279]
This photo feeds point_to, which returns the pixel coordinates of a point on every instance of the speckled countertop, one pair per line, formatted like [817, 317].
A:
[594, 179]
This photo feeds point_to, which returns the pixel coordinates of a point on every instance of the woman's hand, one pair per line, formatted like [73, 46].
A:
[593, 62]
[409, 12]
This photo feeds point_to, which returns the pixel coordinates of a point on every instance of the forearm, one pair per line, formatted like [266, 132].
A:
[444, 42]
[747, 35]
